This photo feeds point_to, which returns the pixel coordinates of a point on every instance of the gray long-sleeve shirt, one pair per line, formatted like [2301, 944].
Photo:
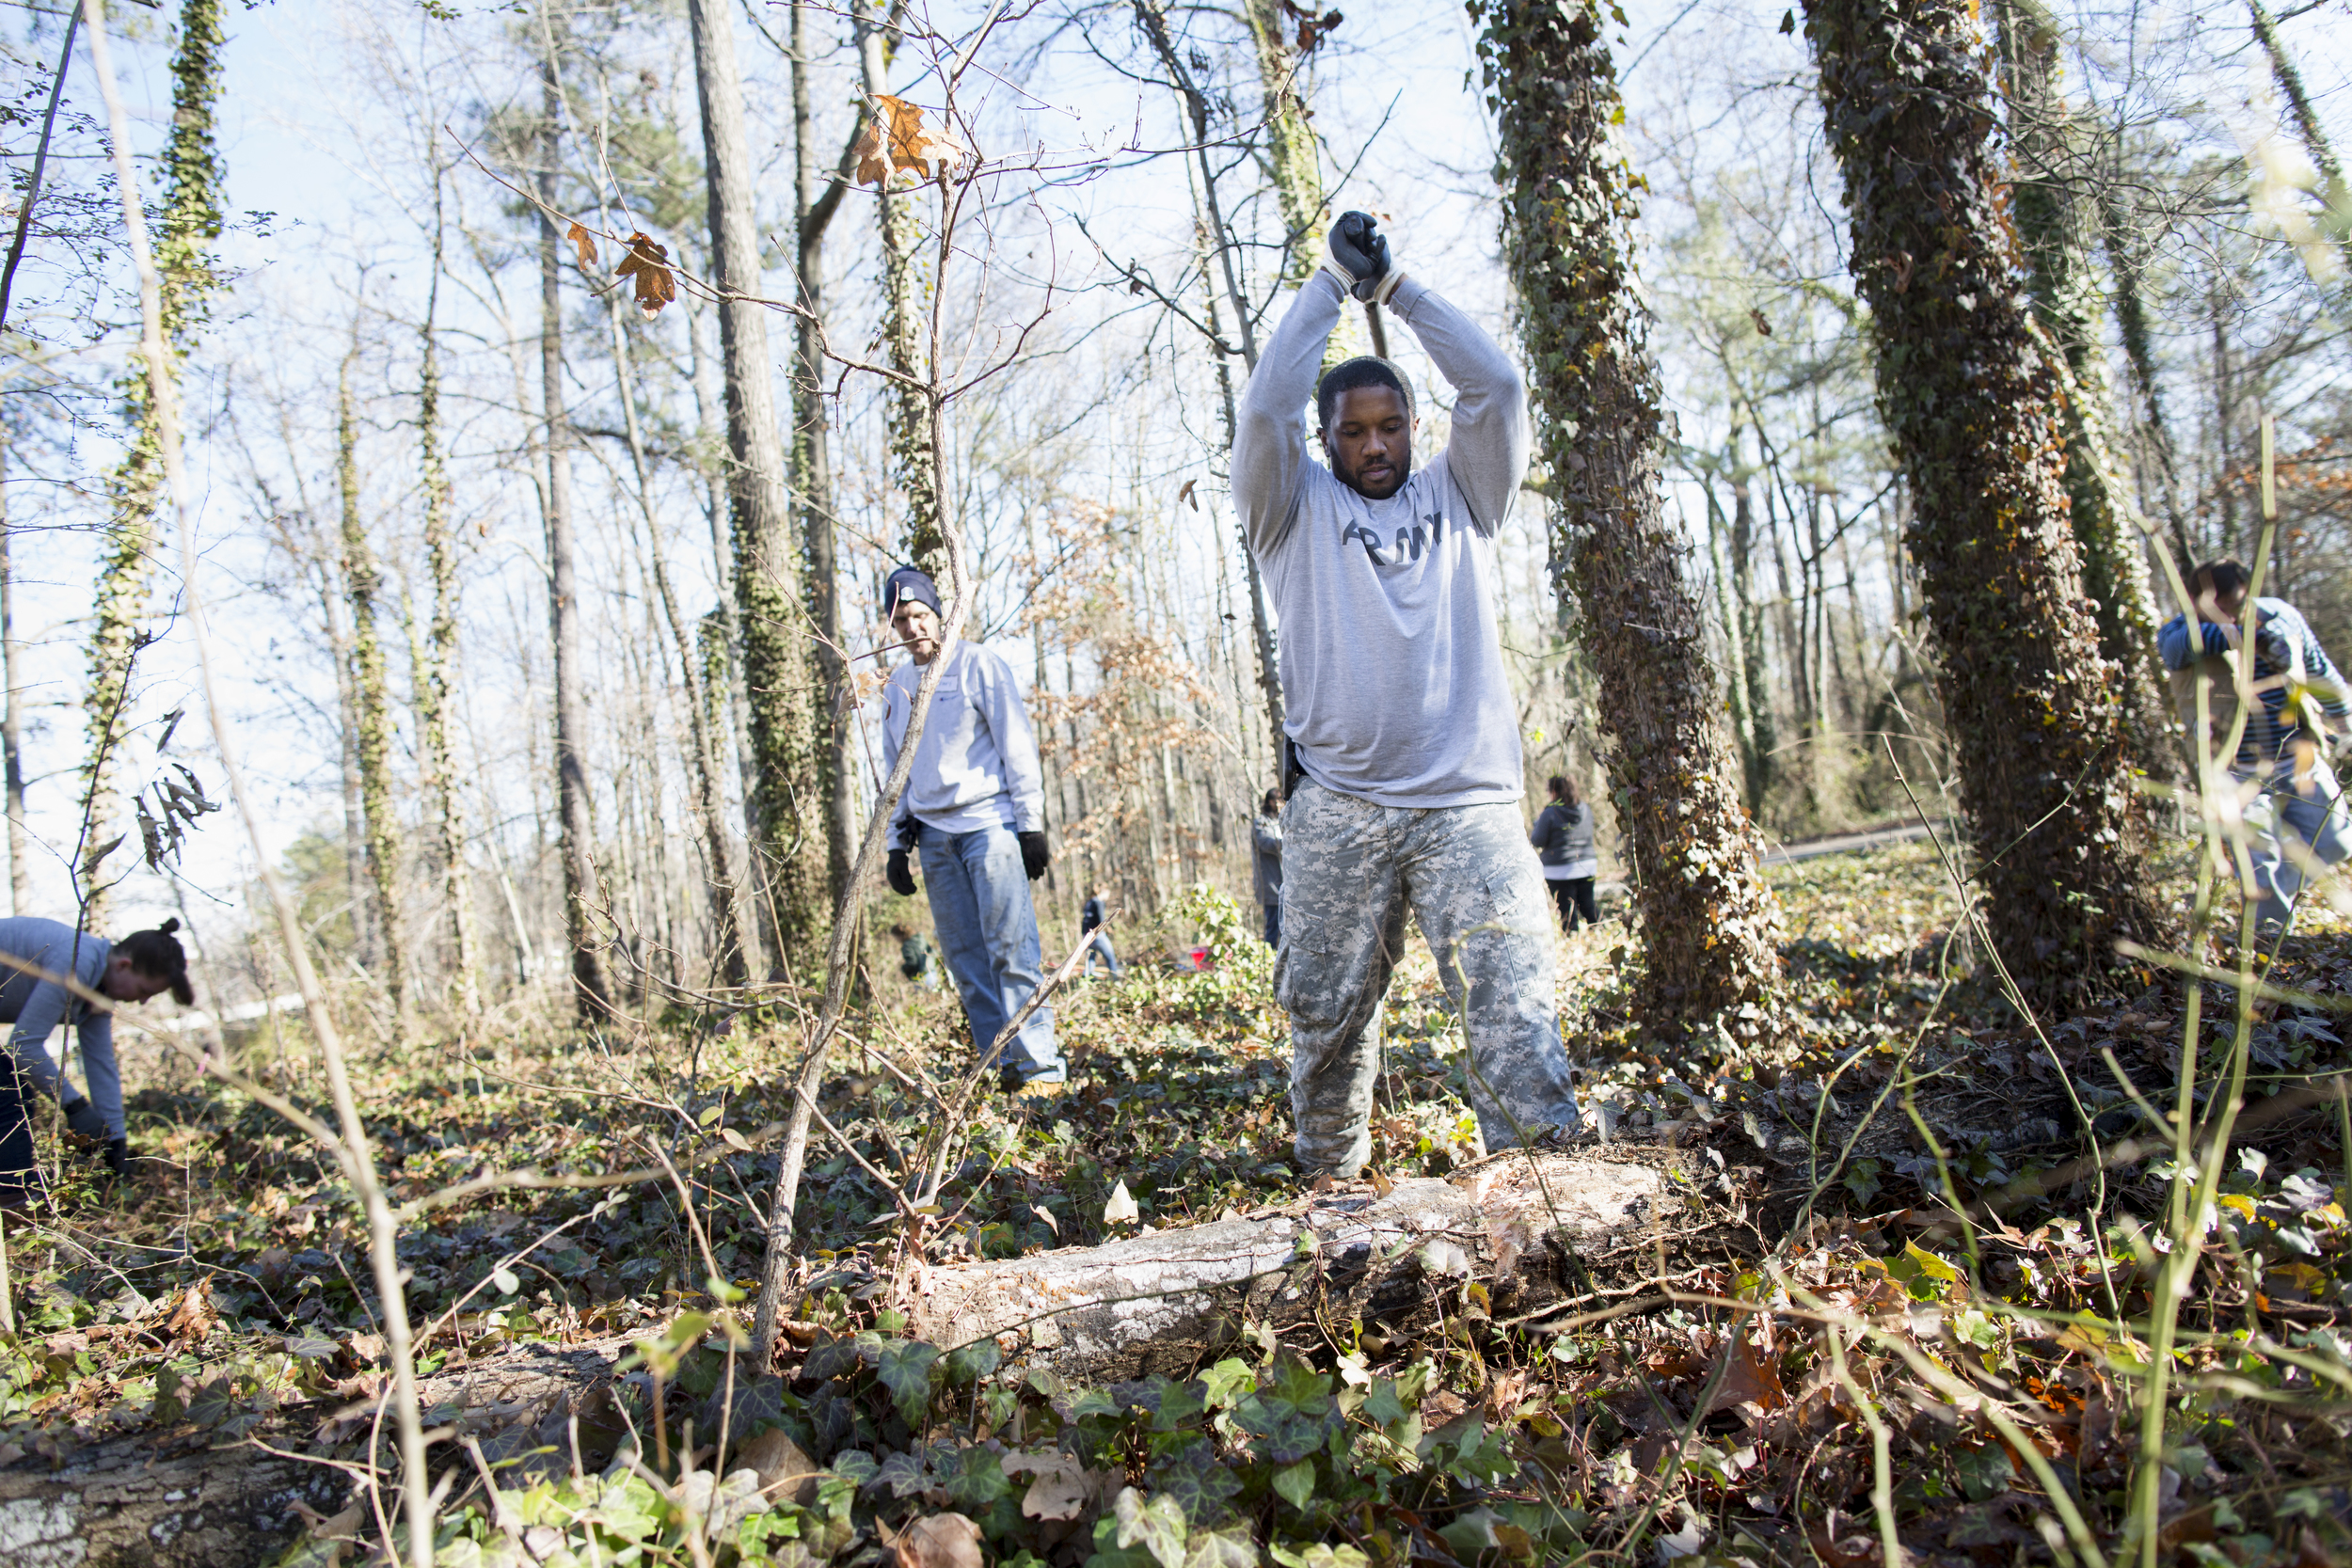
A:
[1392, 665]
[36, 1007]
[976, 764]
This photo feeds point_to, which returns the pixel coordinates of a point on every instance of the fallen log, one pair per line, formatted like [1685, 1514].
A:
[1533, 1231]
[1533, 1228]
[174, 1498]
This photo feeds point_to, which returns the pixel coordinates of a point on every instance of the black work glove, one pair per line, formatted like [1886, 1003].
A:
[1357, 253]
[1034, 856]
[83, 1121]
[901, 881]
[118, 1159]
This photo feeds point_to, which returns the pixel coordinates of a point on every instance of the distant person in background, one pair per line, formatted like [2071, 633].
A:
[1091, 923]
[974, 810]
[142, 965]
[1266, 862]
[915, 955]
[1564, 843]
[2297, 725]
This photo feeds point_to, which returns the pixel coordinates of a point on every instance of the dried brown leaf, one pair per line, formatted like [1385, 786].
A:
[584, 242]
[940, 1541]
[649, 264]
[912, 143]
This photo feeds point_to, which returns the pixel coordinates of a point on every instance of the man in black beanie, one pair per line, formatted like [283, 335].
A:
[974, 809]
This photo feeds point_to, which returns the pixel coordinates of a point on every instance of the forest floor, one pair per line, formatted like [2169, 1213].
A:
[1871, 1364]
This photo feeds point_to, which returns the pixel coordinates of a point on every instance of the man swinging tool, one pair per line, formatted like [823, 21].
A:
[1399, 716]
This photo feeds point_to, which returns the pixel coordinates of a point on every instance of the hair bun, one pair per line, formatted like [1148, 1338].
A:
[169, 925]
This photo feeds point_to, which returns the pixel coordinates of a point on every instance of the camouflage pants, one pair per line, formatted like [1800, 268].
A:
[1349, 870]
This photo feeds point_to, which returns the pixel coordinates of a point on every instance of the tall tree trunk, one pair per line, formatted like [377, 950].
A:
[913, 473]
[786, 801]
[1568, 201]
[1151, 18]
[1764, 738]
[2054, 224]
[812, 473]
[370, 708]
[2334, 195]
[1290, 155]
[2126, 252]
[194, 176]
[432, 677]
[11, 732]
[709, 808]
[575, 827]
[1972, 403]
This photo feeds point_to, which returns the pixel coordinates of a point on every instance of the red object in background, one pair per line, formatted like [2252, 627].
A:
[1198, 960]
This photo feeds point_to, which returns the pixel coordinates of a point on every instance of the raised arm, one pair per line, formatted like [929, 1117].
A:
[1487, 450]
[1270, 441]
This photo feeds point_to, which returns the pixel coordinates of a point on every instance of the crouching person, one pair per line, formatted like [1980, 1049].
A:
[974, 811]
[142, 965]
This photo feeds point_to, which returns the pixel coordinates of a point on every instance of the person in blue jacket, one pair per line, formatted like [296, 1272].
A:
[2296, 819]
[142, 965]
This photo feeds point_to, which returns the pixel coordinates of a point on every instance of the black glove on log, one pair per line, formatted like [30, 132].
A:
[1359, 249]
[1034, 856]
[901, 881]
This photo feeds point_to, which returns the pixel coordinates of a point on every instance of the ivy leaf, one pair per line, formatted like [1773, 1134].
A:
[906, 1372]
[1297, 1484]
[1156, 1526]
[1789, 22]
[968, 1364]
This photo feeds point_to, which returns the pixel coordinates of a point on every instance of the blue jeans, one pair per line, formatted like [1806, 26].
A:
[1274, 926]
[1101, 947]
[987, 932]
[2308, 831]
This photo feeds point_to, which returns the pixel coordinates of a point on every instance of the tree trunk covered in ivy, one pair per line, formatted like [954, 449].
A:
[2056, 224]
[192, 178]
[908, 413]
[770, 627]
[1973, 404]
[448, 828]
[1709, 923]
[371, 704]
[812, 476]
[1291, 158]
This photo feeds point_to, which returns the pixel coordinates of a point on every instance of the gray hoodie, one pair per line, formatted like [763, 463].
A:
[36, 1007]
[1392, 666]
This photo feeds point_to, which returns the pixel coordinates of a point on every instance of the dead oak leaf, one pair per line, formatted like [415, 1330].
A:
[939, 1540]
[584, 242]
[649, 264]
[912, 144]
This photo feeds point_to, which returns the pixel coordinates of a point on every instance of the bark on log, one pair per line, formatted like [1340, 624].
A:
[164, 1499]
[118, 1505]
[1534, 1229]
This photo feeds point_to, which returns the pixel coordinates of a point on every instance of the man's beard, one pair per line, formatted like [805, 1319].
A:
[1352, 478]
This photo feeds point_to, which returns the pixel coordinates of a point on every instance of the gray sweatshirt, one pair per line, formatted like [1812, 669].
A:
[976, 764]
[1392, 665]
[36, 1007]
